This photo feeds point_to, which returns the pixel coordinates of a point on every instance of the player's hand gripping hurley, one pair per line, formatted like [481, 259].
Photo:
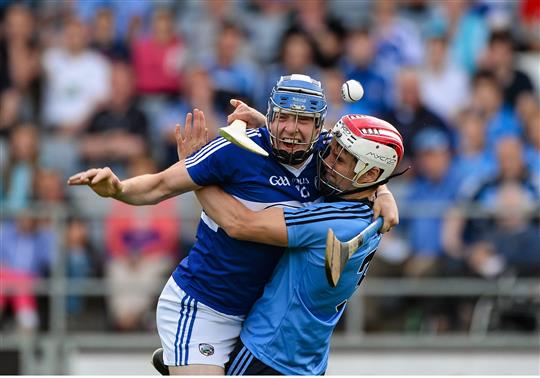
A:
[338, 252]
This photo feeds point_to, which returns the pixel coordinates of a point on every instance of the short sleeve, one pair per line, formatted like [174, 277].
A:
[213, 164]
[301, 231]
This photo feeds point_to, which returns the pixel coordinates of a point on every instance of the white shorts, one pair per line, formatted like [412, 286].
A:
[193, 333]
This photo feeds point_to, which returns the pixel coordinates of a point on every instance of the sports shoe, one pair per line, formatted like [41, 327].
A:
[157, 362]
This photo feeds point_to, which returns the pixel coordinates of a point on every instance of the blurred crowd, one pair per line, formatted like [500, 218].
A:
[103, 83]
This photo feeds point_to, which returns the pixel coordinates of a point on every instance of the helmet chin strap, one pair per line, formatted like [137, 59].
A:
[294, 158]
[339, 196]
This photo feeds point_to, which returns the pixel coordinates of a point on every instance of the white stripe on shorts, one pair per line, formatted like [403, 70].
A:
[191, 332]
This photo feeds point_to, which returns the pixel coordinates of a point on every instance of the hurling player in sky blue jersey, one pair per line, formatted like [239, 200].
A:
[203, 305]
[288, 329]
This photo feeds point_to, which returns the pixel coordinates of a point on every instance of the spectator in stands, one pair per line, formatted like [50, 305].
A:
[328, 33]
[487, 100]
[158, 60]
[129, 16]
[19, 171]
[481, 195]
[201, 21]
[473, 160]
[499, 59]
[77, 81]
[358, 64]
[296, 54]
[233, 75]
[467, 32]
[104, 37]
[397, 41]
[434, 190]
[80, 259]
[142, 247]
[444, 86]
[199, 94]
[269, 20]
[119, 130]
[19, 73]
[49, 188]
[26, 254]
[158, 57]
[513, 245]
[410, 114]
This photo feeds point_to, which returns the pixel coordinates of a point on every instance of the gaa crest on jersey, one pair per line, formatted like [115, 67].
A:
[206, 349]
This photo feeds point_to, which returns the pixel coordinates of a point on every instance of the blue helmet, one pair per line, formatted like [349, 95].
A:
[301, 96]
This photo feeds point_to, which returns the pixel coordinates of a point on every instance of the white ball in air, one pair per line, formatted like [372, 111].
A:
[352, 91]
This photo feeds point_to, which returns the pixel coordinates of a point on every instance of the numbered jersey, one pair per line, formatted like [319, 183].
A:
[227, 274]
[290, 327]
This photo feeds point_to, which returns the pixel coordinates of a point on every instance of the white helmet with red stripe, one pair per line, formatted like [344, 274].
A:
[372, 141]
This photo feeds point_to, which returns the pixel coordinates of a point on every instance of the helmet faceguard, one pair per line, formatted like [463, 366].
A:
[301, 97]
[372, 142]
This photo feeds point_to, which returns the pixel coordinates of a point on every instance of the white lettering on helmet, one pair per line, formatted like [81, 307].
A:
[382, 158]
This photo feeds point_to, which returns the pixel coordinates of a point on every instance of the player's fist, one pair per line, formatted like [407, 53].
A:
[249, 115]
[103, 181]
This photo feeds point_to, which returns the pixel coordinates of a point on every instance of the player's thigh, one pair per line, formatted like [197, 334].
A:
[192, 333]
[196, 370]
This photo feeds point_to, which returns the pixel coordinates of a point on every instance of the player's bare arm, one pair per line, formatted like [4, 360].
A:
[266, 226]
[385, 205]
[150, 188]
[140, 190]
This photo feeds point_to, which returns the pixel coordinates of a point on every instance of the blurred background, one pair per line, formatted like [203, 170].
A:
[454, 289]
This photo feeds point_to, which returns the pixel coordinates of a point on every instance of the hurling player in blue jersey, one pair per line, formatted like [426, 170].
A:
[288, 329]
[203, 305]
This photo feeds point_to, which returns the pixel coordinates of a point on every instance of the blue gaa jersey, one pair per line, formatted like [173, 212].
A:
[290, 327]
[227, 274]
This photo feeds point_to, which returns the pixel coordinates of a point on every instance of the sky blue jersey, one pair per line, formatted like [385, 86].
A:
[227, 274]
[290, 327]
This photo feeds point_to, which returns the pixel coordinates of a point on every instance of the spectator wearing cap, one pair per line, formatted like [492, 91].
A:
[430, 195]
[433, 190]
